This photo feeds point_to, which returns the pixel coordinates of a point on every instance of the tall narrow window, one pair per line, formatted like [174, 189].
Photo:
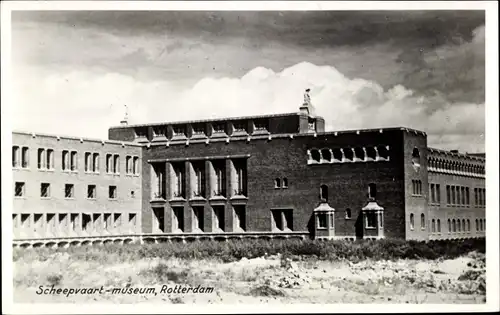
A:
[65, 160]
[449, 225]
[15, 156]
[136, 165]
[348, 213]
[454, 225]
[448, 195]
[415, 157]
[88, 162]
[199, 179]
[422, 221]
[112, 192]
[116, 164]
[438, 226]
[438, 193]
[323, 192]
[467, 196]
[50, 159]
[128, 164]
[433, 226]
[109, 161]
[74, 160]
[277, 183]
[285, 182]
[372, 191]
[25, 157]
[41, 158]
[95, 163]
[412, 221]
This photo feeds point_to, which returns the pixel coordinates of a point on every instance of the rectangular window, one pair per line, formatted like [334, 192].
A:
[459, 199]
[475, 197]
[240, 126]
[467, 196]
[69, 190]
[41, 159]
[19, 189]
[218, 218]
[416, 187]
[86, 222]
[25, 157]
[453, 196]
[371, 220]
[65, 160]
[438, 193]
[199, 179]
[132, 221]
[198, 130]
[448, 195]
[112, 192]
[158, 181]
[158, 220]
[74, 161]
[282, 219]
[178, 222]
[50, 159]
[116, 164]
[15, 156]
[136, 165]
[45, 190]
[109, 159]
[88, 162]
[198, 219]
[91, 192]
[240, 174]
[219, 184]
[239, 218]
[462, 193]
[322, 220]
[95, 163]
[128, 164]
[219, 127]
[432, 193]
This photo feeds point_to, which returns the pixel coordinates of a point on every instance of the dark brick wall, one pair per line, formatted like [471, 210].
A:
[416, 204]
[285, 157]
[121, 134]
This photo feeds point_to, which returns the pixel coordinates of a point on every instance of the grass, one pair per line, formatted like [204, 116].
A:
[236, 249]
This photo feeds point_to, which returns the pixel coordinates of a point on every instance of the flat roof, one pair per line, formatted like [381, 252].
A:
[26, 133]
[210, 120]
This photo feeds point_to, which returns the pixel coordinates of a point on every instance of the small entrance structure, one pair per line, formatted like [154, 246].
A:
[373, 220]
[324, 221]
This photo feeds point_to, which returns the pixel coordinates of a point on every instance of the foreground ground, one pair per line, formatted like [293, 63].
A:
[268, 279]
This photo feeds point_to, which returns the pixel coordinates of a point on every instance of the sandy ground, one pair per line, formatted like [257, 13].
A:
[259, 280]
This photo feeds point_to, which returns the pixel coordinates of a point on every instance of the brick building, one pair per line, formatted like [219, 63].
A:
[261, 176]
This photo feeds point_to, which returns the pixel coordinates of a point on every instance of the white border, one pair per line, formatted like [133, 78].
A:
[492, 169]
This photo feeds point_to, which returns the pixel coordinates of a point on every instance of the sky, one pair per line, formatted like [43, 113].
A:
[73, 71]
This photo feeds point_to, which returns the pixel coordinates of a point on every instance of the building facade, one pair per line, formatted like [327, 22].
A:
[269, 176]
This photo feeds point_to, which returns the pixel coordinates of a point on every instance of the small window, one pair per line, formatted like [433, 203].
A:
[112, 192]
[116, 164]
[136, 165]
[41, 158]
[179, 130]
[285, 182]
[219, 127]
[95, 164]
[132, 194]
[348, 214]
[371, 220]
[277, 183]
[15, 156]
[315, 155]
[323, 192]
[19, 189]
[326, 154]
[65, 160]
[88, 161]
[240, 126]
[109, 159]
[45, 190]
[322, 220]
[438, 226]
[415, 157]
[69, 191]
[128, 164]
[454, 225]
[91, 191]
[433, 226]
[449, 225]
[412, 221]
[422, 221]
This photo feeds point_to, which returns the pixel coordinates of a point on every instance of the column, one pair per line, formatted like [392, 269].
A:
[229, 178]
[188, 190]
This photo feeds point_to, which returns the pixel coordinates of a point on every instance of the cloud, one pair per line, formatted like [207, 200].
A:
[85, 104]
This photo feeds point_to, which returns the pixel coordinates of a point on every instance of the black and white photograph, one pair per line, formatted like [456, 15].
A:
[213, 154]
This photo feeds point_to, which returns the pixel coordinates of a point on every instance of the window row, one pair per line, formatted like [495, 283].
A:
[464, 225]
[203, 130]
[197, 215]
[281, 183]
[412, 221]
[416, 186]
[457, 195]
[207, 179]
[455, 167]
[342, 155]
[480, 197]
[435, 193]
[20, 157]
[69, 191]
[65, 224]
[69, 161]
